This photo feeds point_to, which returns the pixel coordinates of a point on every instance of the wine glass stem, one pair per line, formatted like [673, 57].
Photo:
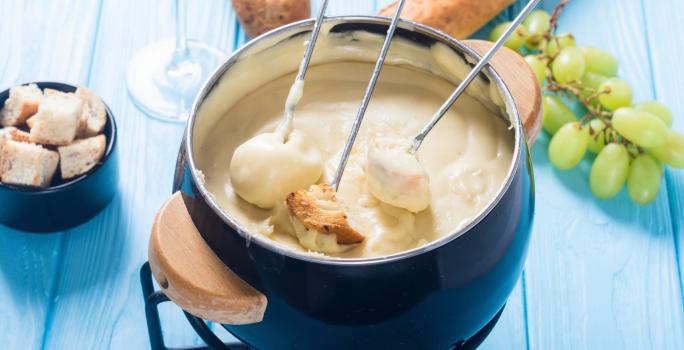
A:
[181, 52]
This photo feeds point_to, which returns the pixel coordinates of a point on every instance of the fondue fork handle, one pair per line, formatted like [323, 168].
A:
[367, 96]
[418, 140]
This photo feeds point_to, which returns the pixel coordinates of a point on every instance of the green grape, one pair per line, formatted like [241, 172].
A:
[600, 61]
[559, 42]
[643, 181]
[590, 85]
[592, 80]
[515, 41]
[545, 110]
[557, 115]
[640, 127]
[538, 67]
[597, 138]
[568, 65]
[672, 151]
[618, 94]
[609, 171]
[536, 23]
[658, 109]
[568, 146]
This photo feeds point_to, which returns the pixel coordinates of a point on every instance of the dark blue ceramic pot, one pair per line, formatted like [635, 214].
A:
[432, 297]
[64, 204]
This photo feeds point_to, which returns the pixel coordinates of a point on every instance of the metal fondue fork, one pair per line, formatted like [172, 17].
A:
[366, 97]
[418, 140]
[304, 65]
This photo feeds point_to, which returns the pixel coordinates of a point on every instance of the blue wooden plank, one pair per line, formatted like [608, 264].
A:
[98, 299]
[665, 63]
[39, 45]
[602, 274]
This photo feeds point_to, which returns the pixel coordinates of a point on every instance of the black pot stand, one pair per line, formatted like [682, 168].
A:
[153, 298]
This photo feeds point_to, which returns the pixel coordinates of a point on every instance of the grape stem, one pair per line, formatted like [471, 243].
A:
[584, 95]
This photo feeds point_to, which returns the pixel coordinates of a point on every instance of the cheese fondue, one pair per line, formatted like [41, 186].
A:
[466, 157]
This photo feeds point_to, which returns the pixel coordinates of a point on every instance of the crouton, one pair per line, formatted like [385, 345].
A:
[94, 115]
[57, 120]
[22, 103]
[27, 164]
[5, 134]
[81, 156]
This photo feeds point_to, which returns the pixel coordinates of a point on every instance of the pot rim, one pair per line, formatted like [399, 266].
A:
[326, 260]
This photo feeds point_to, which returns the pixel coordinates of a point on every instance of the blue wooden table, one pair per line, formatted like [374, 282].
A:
[600, 275]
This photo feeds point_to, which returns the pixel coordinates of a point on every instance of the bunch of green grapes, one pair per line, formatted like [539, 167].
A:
[631, 141]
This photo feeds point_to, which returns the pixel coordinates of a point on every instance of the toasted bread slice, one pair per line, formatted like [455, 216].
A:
[317, 209]
[94, 116]
[81, 156]
[27, 164]
[22, 103]
[57, 120]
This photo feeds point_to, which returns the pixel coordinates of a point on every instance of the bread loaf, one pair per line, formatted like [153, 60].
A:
[260, 16]
[458, 18]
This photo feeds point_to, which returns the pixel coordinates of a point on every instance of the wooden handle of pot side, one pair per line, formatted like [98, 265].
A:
[192, 276]
[522, 83]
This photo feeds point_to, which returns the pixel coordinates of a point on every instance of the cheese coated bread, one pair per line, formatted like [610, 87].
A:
[318, 210]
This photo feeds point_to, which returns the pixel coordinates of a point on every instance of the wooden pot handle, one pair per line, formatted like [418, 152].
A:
[522, 82]
[192, 276]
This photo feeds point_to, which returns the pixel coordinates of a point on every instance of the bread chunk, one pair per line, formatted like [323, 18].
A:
[260, 16]
[81, 156]
[22, 103]
[27, 164]
[318, 210]
[458, 18]
[94, 115]
[57, 120]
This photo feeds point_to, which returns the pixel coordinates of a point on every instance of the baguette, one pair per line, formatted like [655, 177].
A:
[260, 16]
[458, 18]
[22, 103]
[81, 156]
[27, 164]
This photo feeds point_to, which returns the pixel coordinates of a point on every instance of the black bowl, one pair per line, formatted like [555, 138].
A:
[65, 204]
